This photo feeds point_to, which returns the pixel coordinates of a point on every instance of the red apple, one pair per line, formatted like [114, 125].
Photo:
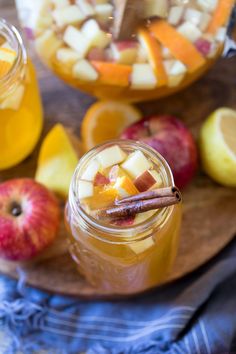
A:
[203, 46]
[29, 219]
[171, 138]
[144, 181]
[97, 54]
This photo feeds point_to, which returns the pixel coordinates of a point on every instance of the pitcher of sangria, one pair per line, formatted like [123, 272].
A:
[130, 50]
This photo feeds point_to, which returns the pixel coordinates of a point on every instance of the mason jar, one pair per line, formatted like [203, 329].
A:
[123, 260]
[21, 116]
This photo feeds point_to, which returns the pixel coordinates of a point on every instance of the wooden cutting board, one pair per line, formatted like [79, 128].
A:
[209, 220]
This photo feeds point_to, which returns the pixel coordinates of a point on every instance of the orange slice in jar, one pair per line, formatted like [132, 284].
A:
[153, 50]
[180, 47]
[105, 120]
[221, 15]
[7, 59]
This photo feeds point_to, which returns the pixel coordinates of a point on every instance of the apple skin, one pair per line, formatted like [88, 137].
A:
[29, 219]
[171, 138]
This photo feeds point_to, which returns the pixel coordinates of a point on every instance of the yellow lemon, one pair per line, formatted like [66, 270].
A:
[57, 160]
[218, 146]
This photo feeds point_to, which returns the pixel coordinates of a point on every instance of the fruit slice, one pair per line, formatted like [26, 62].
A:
[85, 189]
[112, 73]
[153, 49]
[136, 164]
[102, 199]
[105, 120]
[144, 181]
[220, 15]
[76, 40]
[95, 36]
[124, 52]
[111, 156]
[57, 161]
[218, 146]
[47, 44]
[83, 70]
[190, 31]
[125, 187]
[68, 15]
[179, 46]
[91, 171]
[143, 77]
[7, 59]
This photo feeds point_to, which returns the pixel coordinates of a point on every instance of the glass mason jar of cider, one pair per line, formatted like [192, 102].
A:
[121, 254]
[21, 116]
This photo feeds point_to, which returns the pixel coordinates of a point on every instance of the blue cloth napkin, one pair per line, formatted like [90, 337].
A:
[194, 315]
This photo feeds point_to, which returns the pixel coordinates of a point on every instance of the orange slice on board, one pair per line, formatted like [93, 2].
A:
[180, 47]
[105, 120]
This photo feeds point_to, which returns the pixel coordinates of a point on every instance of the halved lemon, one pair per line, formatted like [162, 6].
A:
[218, 146]
[105, 120]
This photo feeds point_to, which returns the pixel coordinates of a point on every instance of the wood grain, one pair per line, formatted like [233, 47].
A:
[209, 220]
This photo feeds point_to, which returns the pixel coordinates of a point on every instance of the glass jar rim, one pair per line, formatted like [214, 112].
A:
[13, 34]
[120, 233]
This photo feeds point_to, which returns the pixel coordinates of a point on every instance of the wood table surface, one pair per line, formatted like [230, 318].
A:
[209, 220]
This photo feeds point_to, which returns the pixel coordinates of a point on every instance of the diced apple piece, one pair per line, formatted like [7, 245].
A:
[111, 156]
[115, 172]
[95, 36]
[139, 218]
[76, 40]
[85, 189]
[124, 52]
[207, 5]
[142, 56]
[100, 180]
[86, 8]
[61, 3]
[143, 77]
[176, 71]
[175, 15]
[83, 70]
[156, 8]
[67, 56]
[47, 44]
[13, 101]
[166, 54]
[103, 11]
[124, 222]
[141, 246]
[125, 187]
[97, 54]
[194, 16]
[206, 18]
[203, 46]
[7, 59]
[91, 171]
[68, 16]
[144, 181]
[136, 164]
[221, 34]
[189, 31]
[158, 179]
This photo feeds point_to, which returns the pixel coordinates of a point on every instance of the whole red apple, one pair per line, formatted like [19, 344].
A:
[171, 138]
[29, 219]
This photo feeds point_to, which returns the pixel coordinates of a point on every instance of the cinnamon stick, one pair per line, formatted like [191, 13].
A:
[128, 14]
[155, 193]
[129, 209]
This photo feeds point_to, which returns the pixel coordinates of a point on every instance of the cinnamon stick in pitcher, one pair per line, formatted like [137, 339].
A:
[155, 193]
[140, 206]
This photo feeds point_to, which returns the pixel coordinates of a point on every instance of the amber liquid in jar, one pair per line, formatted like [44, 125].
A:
[21, 116]
[121, 259]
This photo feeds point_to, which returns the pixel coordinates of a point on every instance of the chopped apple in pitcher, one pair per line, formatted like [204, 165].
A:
[145, 45]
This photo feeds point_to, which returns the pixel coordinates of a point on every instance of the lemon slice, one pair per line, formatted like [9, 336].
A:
[105, 120]
[58, 158]
[218, 146]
